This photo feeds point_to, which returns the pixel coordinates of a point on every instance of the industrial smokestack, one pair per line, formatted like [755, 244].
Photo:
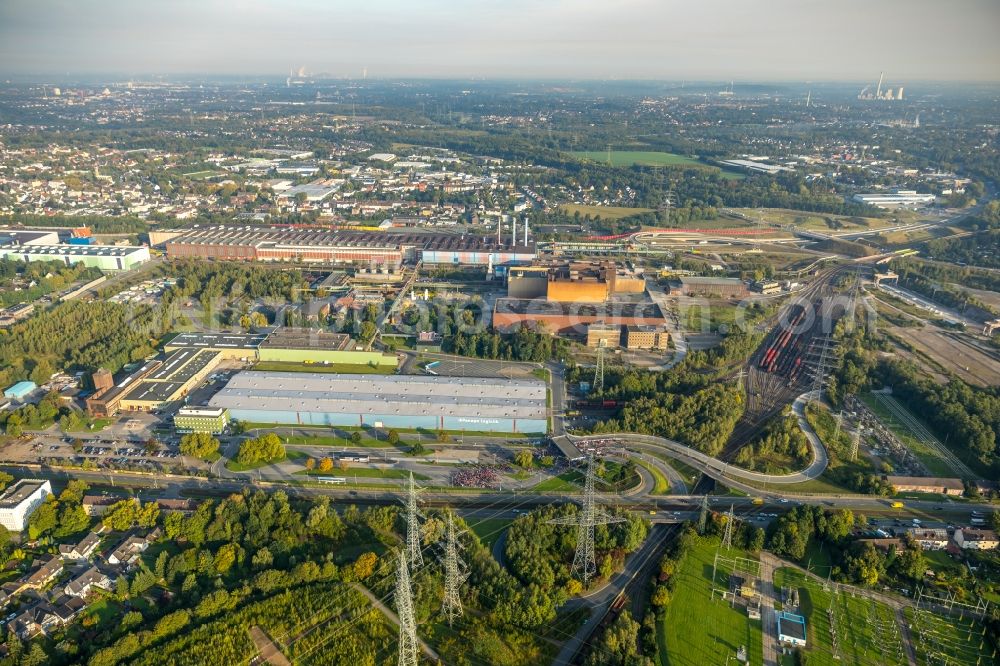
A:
[526, 232]
[899, 93]
[878, 92]
[513, 232]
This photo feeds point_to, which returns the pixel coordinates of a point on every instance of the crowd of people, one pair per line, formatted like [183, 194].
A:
[479, 476]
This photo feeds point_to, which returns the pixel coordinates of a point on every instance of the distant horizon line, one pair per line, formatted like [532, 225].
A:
[147, 77]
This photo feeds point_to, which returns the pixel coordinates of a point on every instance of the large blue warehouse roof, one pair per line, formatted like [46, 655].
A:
[20, 389]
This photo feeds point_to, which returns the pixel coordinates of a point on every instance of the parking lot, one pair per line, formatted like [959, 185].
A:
[99, 453]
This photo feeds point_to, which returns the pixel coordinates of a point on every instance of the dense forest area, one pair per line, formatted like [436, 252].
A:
[780, 449]
[981, 249]
[541, 553]
[966, 418]
[523, 344]
[688, 404]
[99, 334]
[298, 569]
[99, 224]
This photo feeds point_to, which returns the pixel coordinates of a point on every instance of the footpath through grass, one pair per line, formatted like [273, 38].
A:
[698, 630]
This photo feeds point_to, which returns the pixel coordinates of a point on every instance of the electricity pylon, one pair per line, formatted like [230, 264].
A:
[855, 443]
[598, 385]
[727, 536]
[703, 515]
[413, 525]
[669, 201]
[408, 648]
[586, 518]
[454, 574]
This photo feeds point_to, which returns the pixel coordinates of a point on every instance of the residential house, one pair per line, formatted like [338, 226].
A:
[46, 572]
[80, 551]
[184, 506]
[84, 584]
[929, 539]
[972, 539]
[98, 505]
[128, 551]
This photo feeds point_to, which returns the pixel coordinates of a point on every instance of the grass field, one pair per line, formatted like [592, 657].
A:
[858, 636]
[605, 212]
[488, 529]
[637, 158]
[661, 486]
[333, 440]
[817, 221]
[343, 368]
[698, 630]
[365, 473]
[202, 175]
[92, 425]
[567, 482]
[572, 482]
[651, 158]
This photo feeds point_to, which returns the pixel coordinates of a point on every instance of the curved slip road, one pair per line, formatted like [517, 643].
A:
[722, 471]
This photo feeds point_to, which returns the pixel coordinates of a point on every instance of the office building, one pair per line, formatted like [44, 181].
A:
[647, 337]
[212, 420]
[19, 501]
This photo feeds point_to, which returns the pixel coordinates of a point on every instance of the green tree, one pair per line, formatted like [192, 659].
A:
[524, 459]
[200, 445]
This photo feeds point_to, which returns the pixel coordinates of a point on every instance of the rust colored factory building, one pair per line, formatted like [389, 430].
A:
[572, 318]
[573, 282]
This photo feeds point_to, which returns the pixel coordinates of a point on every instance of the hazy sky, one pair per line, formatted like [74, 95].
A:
[658, 39]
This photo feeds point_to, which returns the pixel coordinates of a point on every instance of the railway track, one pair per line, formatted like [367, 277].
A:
[787, 361]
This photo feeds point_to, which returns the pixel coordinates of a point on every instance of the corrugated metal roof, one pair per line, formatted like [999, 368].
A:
[384, 394]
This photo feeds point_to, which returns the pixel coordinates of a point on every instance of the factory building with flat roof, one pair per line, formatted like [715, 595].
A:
[105, 257]
[283, 344]
[28, 237]
[390, 401]
[897, 199]
[573, 281]
[572, 318]
[341, 247]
